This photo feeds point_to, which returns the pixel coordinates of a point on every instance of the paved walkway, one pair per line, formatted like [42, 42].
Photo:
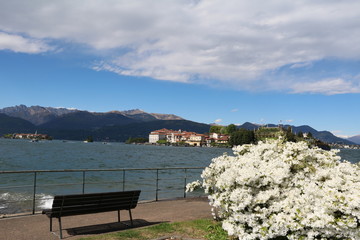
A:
[36, 227]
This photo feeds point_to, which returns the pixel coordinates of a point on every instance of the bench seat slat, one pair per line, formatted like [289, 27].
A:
[79, 204]
[70, 202]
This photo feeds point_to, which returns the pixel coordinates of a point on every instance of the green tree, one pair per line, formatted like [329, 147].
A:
[242, 136]
[223, 130]
[289, 135]
[9, 135]
[215, 129]
[162, 141]
[322, 145]
[89, 139]
[230, 129]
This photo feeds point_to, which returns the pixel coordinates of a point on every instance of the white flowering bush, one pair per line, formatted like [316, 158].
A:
[284, 190]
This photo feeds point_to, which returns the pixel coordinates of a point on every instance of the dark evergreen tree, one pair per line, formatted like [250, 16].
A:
[289, 136]
[215, 129]
[242, 136]
[230, 129]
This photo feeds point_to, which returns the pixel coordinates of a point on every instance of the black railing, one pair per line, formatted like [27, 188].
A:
[153, 182]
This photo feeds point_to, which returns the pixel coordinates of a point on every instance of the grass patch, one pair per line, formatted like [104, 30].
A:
[206, 229]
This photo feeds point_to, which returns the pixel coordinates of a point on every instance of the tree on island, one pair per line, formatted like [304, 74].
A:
[89, 139]
[242, 136]
[215, 129]
[162, 141]
[230, 129]
[223, 129]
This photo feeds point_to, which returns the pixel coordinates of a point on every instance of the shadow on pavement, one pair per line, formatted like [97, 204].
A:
[107, 227]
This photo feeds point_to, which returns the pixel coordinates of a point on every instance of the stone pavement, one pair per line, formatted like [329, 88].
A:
[36, 227]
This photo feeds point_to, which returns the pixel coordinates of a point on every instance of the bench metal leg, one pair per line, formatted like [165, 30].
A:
[50, 224]
[60, 227]
[119, 215]
[131, 218]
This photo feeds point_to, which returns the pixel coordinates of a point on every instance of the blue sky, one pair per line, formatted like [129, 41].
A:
[208, 61]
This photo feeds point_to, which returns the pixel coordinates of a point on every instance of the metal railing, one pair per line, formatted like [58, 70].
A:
[151, 181]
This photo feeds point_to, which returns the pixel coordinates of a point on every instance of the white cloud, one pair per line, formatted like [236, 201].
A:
[327, 86]
[233, 43]
[301, 65]
[21, 44]
[218, 120]
[235, 110]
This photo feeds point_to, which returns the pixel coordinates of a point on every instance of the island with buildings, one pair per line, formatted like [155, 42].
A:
[229, 136]
[29, 136]
[180, 137]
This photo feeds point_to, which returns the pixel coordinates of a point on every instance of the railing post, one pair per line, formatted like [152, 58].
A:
[83, 185]
[124, 180]
[34, 194]
[185, 180]
[157, 185]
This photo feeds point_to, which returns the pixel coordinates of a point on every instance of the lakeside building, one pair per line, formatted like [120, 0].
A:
[217, 138]
[189, 138]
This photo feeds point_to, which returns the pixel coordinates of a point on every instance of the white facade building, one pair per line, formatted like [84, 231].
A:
[156, 136]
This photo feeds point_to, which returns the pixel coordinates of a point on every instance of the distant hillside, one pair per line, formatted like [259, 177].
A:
[140, 115]
[85, 120]
[35, 114]
[324, 136]
[355, 139]
[123, 132]
[14, 125]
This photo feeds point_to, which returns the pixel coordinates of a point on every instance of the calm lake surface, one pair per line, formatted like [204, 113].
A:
[17, 155]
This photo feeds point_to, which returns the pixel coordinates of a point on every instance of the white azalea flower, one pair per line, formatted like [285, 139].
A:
[286, 189]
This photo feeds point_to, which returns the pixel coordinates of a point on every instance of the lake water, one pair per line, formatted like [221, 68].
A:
[18, 155]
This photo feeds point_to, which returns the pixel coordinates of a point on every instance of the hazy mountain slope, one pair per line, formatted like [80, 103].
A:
[15, 125]
[85, 120]
[355, 139]
[122, 133]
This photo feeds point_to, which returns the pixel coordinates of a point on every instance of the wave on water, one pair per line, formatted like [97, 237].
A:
[46, 201]
[11, 203]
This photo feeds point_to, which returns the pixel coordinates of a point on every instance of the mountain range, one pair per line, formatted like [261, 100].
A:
[73, 124]
[355, 139]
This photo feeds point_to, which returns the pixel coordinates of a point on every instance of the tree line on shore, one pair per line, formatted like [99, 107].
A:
[244, 136]
[240, 136]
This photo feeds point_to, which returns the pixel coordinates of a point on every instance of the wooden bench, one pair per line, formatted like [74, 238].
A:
[78, 204]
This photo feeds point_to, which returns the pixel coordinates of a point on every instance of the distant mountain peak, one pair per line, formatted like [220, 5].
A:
[132, 112]
[39, 115]
[161, 116]
[35, 114]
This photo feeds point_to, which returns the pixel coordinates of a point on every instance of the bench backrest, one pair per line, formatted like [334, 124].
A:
[67, 205]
